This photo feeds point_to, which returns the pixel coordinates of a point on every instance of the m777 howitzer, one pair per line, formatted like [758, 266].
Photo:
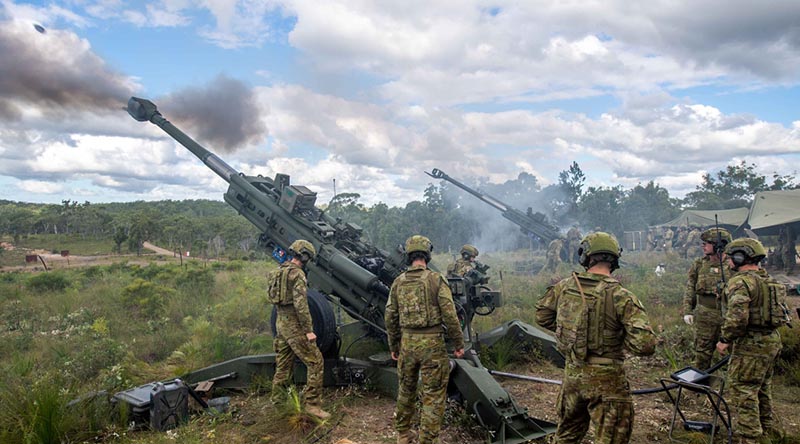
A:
[529, 223]
[355, 276]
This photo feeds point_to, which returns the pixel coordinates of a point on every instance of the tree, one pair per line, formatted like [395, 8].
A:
[647, 205]
[602, 208]
[144, 226]
[570, 183]
[120, 236]
[733, 187]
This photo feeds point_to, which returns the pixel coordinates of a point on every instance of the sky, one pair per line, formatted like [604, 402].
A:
[370, 95]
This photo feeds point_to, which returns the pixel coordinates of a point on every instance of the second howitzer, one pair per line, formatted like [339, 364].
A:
[356, 276]
[529, 223]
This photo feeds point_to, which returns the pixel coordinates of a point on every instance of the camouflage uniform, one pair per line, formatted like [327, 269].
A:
[573, 242]
[789, 250]
[702, 299]
[461, 267]
[754, 350]
[414, 319]
[553, 255]
[595, 387]
[693, 247]
[680, 241]
[292, 324]
[668, 235]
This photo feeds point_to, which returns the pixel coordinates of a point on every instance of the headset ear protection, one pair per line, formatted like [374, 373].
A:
[583, 258]
[738, 258]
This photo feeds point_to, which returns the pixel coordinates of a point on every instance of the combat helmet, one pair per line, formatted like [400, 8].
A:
[719, 237]
[469, 250]
[421, 244]
[745, 250]
[599, 242]
[301, 246]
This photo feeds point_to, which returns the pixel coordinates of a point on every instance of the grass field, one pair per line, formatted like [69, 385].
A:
[70, 332]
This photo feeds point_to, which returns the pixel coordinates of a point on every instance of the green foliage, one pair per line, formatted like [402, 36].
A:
[196, 280]
[146, 299]
[54, 281]
[39, 413]
[788, 363]
[734, 187]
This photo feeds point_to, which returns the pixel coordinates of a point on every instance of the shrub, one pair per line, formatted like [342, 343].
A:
[54, 281]
[146, 298]
[788, 363]
[197, 281]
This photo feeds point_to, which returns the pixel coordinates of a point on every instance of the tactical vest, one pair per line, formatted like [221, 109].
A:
[768, 309]
[709, 276]
[277, 286]
[586, 319]
[417, 294]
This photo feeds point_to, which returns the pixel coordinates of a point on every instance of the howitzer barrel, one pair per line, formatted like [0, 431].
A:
[274, 210]
[529, 223]
[439, 174]
[144, 110]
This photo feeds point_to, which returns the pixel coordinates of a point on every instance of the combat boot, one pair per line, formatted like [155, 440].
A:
[317, 411]
[406, 436]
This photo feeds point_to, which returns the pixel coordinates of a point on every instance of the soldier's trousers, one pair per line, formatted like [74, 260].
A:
[707, 326]
[750, 382]
[789, 259]
[599, 394]
[423, 357]
[286, 350]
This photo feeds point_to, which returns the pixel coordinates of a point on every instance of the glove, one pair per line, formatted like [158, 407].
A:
[688, 319]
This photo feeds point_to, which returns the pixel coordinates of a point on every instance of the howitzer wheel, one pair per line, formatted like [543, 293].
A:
[323, 318]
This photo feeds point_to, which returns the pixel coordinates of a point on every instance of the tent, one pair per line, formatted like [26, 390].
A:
[771, 209]
[731, 219]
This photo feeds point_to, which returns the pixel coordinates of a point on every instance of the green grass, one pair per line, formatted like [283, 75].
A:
[112, 327]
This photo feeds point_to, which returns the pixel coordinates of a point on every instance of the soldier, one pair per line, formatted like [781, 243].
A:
[702, 304]
[573, 243]
[594, 319]
[466, 263]
[651, 240]
[295, 332]
[789, 250]
[680, 240]
[668, 235]
[419, 313]
[754, 341]
[693, 246]
[553, 256]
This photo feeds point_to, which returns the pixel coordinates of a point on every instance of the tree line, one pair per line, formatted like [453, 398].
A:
[446, 214]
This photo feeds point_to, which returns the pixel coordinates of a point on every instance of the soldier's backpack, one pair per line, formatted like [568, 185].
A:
[773, 311]
[582, 317]
[417, 301]
[277, 291]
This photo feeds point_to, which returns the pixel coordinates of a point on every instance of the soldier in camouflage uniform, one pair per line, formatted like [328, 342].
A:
[419, 313]
[295, 332]
[594, 320]
[754, 343]
[668, 235]
[702, 302]
[553, 255]
[693, 246]
[680, 240]
[466, 263]
[789, 250]
[572, 244]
